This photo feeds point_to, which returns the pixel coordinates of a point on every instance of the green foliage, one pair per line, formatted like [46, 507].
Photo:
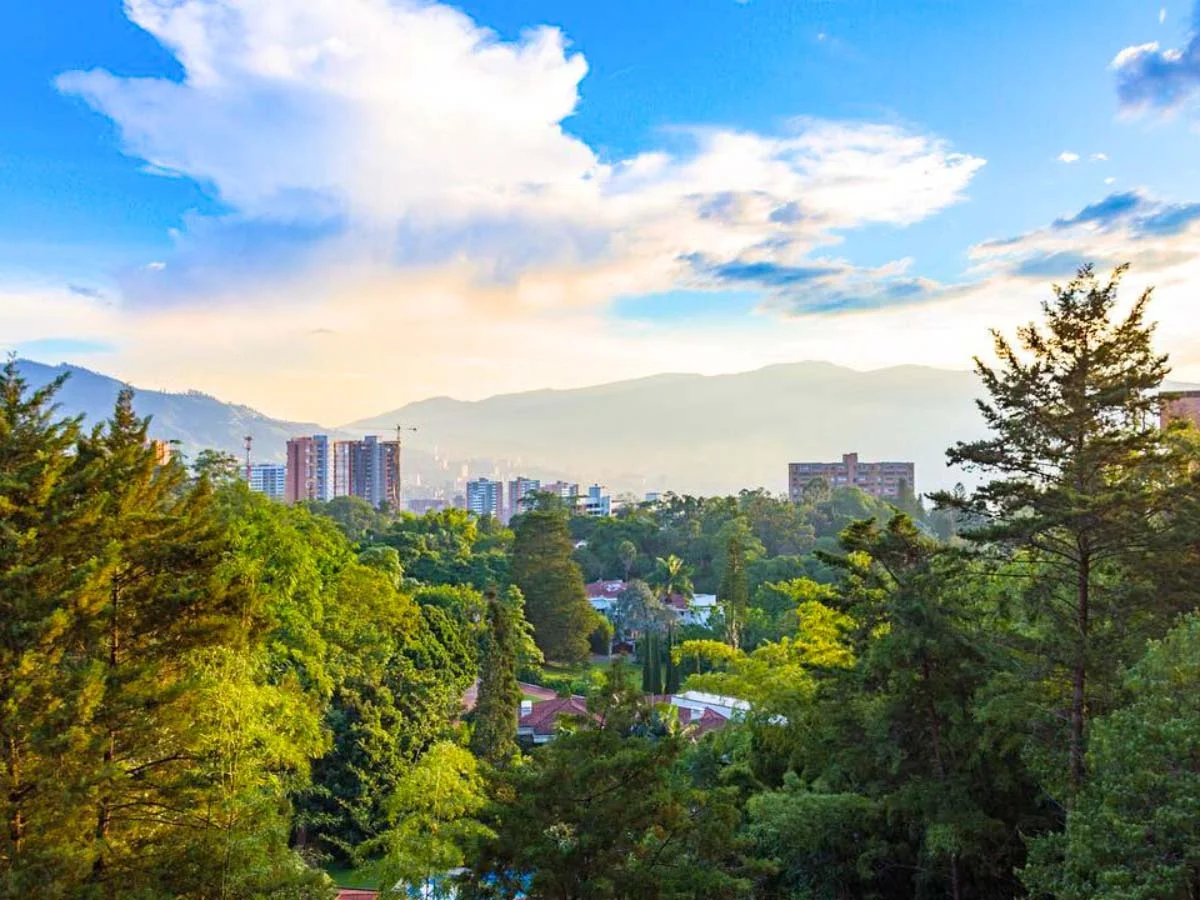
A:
[356, 518]
[1134, 831]
[432, 820]
[737, 549]
[504, 649]
[556, 602]
[607, 810]
[1087, 481]
[156, 739]
[451, 547]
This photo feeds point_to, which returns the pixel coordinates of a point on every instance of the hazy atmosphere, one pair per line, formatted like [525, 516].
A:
[626, 450]
[330, 208]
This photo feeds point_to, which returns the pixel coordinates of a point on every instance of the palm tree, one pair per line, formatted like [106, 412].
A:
[673, 576]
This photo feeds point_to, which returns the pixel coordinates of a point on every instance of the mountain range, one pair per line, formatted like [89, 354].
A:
[688, 433]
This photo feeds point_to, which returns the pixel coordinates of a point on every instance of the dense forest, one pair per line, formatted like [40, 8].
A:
[977, 694]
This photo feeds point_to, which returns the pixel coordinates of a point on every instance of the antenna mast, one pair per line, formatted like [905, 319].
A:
[249, 439]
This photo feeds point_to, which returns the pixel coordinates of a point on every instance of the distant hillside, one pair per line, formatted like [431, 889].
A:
[689, 433]
[196, 420]
[705, 434]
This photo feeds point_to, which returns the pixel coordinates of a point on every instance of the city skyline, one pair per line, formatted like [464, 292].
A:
[760, 182]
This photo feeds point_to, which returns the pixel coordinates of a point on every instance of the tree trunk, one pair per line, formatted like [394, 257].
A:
[1079, 675]
[16, 821]
[104, 814]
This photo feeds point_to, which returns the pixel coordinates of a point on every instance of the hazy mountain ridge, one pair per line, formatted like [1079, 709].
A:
[195, 419]
[706, 434]
[690, 433]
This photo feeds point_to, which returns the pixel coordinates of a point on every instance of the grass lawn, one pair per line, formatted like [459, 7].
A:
[351, 878]
[564, 673]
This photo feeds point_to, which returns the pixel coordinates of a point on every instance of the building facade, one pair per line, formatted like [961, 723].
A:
[301, 470]
[1183, 405]
[518, 489]
[368, 469]
[885, 480]
[596, 502]
[269, 479]
[485, 497]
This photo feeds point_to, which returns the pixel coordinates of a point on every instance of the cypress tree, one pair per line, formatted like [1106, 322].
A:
[494, 737]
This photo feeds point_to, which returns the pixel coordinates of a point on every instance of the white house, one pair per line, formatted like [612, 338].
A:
[696, 702]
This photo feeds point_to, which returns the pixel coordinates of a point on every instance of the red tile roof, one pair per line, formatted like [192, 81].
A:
[544, 716]
[605, 590]
[356, 894]
[711, 720]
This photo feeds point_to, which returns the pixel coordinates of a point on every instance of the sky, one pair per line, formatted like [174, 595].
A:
[330, 208]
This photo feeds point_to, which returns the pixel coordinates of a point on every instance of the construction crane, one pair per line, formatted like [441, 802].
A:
[400, 429]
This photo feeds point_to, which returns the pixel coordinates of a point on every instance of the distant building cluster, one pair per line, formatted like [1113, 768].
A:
[318, 468]
[488, 497]
[604, 596]
[885, 480]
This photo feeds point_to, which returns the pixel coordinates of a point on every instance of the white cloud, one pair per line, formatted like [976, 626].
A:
[1067, 157]
[1110, 180]
[360, 132]
[1162, 15]
[1099, 157]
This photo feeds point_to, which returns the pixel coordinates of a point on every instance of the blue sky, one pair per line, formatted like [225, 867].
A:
[331, 210]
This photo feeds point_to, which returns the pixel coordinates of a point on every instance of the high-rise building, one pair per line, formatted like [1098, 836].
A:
[269, 479]
[369, 469]
[565, 489]
[323, 463]
[301, 480]
[1183, 405]
[886, 480]
[518, 490]
[485, 497]
[596, 502]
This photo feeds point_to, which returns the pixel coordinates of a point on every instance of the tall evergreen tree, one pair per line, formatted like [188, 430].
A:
[1085, 477]
[737, 546]
[494, 737]
[552, 584]
[44, 517]
[154, 596]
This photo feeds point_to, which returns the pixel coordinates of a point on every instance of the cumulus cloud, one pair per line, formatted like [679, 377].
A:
[406, 212]
[1151, 78]
[376, 135]
[1067, 157]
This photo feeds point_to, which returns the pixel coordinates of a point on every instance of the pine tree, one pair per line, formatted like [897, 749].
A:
[44, 518]
[552, 584]
[1084, 480]
[154, 597]
[737, 544]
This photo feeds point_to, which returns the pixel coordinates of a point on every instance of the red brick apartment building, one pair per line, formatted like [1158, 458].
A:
[886, 480]
[1181, 405]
